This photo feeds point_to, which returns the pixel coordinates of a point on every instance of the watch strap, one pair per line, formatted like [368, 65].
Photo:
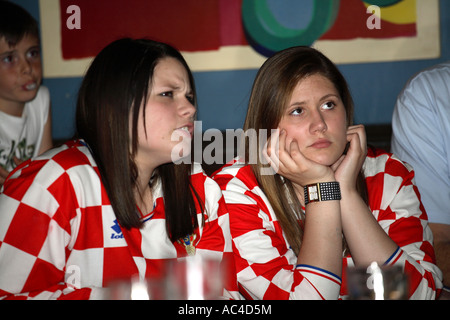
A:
[322, 191]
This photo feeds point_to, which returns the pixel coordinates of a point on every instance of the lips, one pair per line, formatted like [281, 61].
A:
[186, 130]
[29, 86]
[321, 144]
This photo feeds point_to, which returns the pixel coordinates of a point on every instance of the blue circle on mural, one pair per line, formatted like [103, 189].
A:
[271, 26]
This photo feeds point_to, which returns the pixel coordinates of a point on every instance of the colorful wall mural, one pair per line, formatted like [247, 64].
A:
[240, 34]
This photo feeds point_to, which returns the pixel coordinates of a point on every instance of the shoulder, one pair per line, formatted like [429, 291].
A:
[43, 93]
[42, 97]
[203, 184]
[388, 180]
[429, 80]
[72, 158]
[379, 161]
[41, 103]
[438, 73]
[235, 172]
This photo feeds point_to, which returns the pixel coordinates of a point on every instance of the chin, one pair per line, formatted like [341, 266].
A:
[180, 152]
[323, 159]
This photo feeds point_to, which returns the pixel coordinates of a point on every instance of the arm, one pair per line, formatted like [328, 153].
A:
[395, 202]
[323, 229]
[3, 174]
[266, 266]
[441, 241]
[399, 235]
[47, 142]
[365, 237]
[34, 236]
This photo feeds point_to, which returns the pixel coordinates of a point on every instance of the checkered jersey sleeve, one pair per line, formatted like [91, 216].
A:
[266, 265]
[37, 210]
[395, 202]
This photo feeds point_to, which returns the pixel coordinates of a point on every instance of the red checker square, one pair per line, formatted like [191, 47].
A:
[118, 264]
[397, 169]
[387, 214]
[275, 293]
[159, 268]
[28, 229]
[406, 230]
[222, 209]
[212, 238]
[43, 275]
[223, 179]
[62, 191]
[242, 216]
[429, 252]
[198, 183]
[133, 237]
[90, 233]
[374, 185]
[16, 188]
[70, 158]
[5, 293]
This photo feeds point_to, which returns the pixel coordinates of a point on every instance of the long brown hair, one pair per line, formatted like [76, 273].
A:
[272, 89]
[115, 86]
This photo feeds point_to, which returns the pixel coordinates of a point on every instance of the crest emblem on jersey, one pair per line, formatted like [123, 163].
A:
[188, 243]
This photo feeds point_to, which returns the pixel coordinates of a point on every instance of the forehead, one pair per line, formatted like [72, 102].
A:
[170, 69]
[25, 43]
[314, 83]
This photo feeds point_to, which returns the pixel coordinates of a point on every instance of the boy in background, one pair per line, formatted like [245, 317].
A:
[25, 121]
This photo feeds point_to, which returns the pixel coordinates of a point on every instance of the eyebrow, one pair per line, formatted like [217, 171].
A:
[34, 47]
[173, 84]
[15, 50]
[5, 53]
[325, 97]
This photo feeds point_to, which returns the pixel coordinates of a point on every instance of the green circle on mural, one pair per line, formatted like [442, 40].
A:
[382, 3]
[265, 31]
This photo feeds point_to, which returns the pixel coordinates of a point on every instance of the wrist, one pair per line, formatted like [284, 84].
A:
[322, 191]
[348, 191]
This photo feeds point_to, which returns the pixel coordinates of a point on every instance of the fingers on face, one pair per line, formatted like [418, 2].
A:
[356, 135]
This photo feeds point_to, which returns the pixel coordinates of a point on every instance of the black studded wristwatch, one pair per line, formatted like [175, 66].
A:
[322, 191]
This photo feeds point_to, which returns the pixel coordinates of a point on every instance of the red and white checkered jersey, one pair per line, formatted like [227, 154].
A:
[266, 265]
[60, 239]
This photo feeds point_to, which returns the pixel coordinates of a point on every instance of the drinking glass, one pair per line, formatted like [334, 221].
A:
[377, 283]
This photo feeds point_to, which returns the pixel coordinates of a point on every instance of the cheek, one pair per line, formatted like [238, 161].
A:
[37, 69]
[295, 133]
[7, 80]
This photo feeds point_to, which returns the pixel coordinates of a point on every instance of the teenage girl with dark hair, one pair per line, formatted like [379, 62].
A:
[113, 204]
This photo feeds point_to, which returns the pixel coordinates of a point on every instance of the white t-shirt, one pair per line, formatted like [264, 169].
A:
[22, 136]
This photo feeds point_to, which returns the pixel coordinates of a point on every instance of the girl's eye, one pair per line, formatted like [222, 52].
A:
[168, 94]
[190, 98]
[328, 105]
[297, 111]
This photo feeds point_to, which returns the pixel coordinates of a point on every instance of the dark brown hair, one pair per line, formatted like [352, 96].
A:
[272, 89]
[15, 23]
[115, 86]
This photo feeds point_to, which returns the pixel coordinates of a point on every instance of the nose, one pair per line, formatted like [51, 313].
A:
[318, 123]
[25, 66]
[187, 109]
